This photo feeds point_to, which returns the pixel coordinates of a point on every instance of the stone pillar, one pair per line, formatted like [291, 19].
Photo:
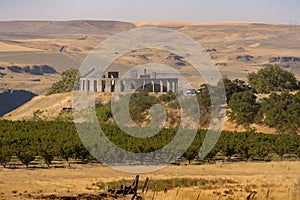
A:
[107, 86]
[173, 83]
[82, 84]
[126, 85]
[91, 85]
[165, 85]
[156, 86]
[99, 85]
[122, 86]
[117, 86]
[153, 84]
[161, 86]
[87, 87]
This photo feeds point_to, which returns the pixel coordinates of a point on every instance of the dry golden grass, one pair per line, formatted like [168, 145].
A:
[4, 47]
[280, 178]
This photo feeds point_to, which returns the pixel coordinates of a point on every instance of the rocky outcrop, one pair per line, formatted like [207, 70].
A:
[178, 60]
[221, 64]
[36, 69]
[175, 57]
[245, 57]
[16, 69]
[241, 49]
[284, 59]
[210, 50]
[180, 64]
[143, 57]
[2, 74]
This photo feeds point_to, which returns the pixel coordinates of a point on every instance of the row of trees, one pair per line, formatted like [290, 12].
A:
[248, 145]
[27, 140]
[53, 140]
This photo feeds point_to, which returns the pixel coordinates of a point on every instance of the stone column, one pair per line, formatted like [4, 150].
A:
[122, 86]
[117, 86]
[165, 86]
[99, 85]
[82, 83]
[91, 85]
[107, 86]
[127, 86]
[153, 84]
[87, 85]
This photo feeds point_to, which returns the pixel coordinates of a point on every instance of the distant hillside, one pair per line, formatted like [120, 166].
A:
[36, 70]
[10, 100]
[33, 29]
[47, 107]
[236, 48]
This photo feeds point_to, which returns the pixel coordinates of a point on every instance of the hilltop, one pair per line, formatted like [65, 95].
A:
[236, 48]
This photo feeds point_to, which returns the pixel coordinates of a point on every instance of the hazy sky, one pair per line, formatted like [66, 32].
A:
[274, 11]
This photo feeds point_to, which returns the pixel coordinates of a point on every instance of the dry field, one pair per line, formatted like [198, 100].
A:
[281, 179]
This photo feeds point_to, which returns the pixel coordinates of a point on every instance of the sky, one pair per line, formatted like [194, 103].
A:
[269, 11]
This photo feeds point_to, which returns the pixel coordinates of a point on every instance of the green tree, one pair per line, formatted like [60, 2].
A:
[228, 144]
[272, 78]
[66, 151]
[48, 156]
[243, 108]
[204, 102]
[5, 155]
[26, 154]
[282, 112]
[191, 153]
[66, 83]
[245, 145]
[26, 147]
[234, 86]
[282, 145]
[139, 106]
